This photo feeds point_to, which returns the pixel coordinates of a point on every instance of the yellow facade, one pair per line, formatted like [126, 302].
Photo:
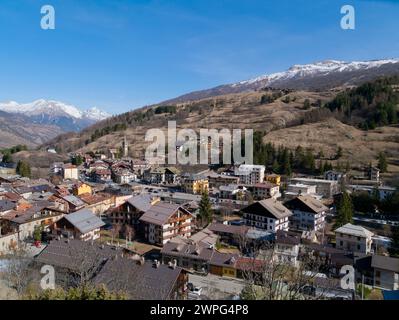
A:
[82, 189]
[229, 272]
[274, 178]
[200, 186]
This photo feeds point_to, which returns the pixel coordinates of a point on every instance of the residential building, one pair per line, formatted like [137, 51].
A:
[297, 189]
[233, 192]
[326, 188]
[70, 172]
[74, 203]
[286, 248]
[124, 176]
[195, 183]
[198, 257]
[37, 215]
[143, 280]
[334, 175]
[383, 191]
[82, 225]
[114, 268]
[129, 212]
[265, 190]
[273, 178]
[81, 188]
[98, 203]
[229, 234]
[250, 174]
[386, 272]
[164, 221]
[161, 175]
[309, 214]
[216, 180]
[268, 214]
[6, 206]
[102, 175]
[354, 239]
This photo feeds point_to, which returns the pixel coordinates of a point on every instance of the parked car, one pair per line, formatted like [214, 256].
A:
[197, 291]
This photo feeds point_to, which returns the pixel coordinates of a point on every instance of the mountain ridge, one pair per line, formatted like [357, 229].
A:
[316, 76]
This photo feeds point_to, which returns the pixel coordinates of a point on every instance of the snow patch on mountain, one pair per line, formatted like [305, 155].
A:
[315, 69]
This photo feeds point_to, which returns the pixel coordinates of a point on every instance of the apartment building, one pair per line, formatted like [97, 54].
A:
[165, 221]
[309, 214]
[354, 238]
[250, 174]
[268, 214]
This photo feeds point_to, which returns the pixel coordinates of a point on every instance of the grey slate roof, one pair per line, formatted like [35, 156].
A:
[141, 282]
[75, 254]
[84, 220]
[141, 202]
[160, 213]
[307, 204]
[269, 208]
[74, 200]
[6, 205]
[385, 263]
[353, 230]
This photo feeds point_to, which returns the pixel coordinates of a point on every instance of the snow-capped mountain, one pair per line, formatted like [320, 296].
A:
[65, 116]
[318, 69]
[95, 114]
[315, 76]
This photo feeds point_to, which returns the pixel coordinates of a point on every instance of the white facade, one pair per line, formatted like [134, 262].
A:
[250, 174]
[266, 223]
[267, 192]
[71, 173]
[354, 239]
[308, 221]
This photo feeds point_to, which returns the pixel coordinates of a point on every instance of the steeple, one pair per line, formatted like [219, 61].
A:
[125, 147]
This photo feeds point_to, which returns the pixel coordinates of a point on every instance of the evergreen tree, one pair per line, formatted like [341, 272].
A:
[344, 210]
[382, 162]
[7, 158]
[321, 167]
[205, 209]
[23, 169]
[286, 163]
[339, 153]
[275, 167]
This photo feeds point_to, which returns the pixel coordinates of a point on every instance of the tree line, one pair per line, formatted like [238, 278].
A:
[370, 105]
[284, 161]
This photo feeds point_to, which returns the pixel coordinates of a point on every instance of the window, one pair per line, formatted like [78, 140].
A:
[378, 274]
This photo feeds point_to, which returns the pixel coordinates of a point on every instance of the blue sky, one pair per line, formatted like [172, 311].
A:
[119, 55]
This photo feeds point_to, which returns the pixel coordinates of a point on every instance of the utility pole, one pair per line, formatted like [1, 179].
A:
[362, 286]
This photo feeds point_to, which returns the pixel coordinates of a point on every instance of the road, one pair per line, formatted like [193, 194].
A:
[215, 287]
[376, 221]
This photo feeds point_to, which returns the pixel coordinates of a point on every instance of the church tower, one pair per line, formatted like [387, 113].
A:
[125, 147]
